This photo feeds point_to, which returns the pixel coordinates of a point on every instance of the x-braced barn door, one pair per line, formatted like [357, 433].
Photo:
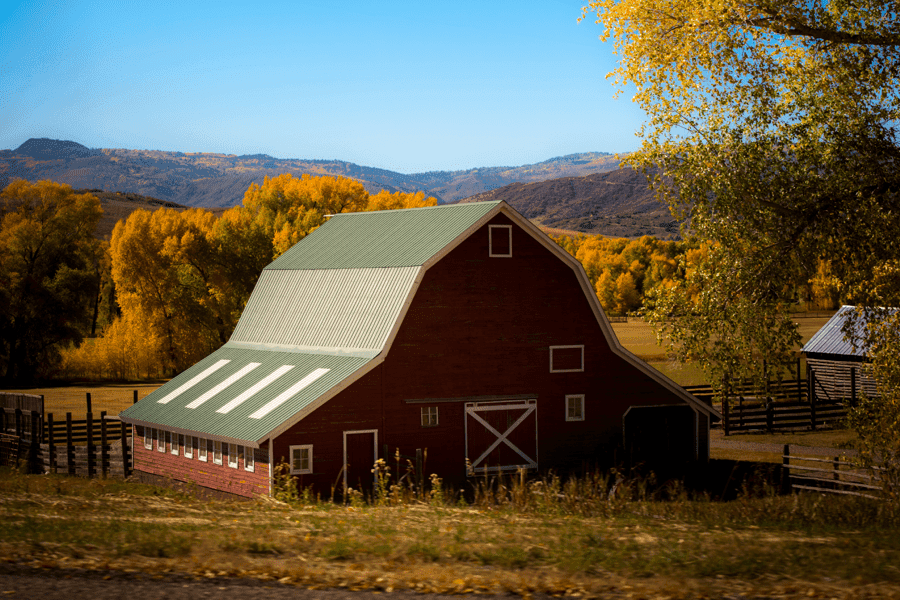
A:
[501, 436]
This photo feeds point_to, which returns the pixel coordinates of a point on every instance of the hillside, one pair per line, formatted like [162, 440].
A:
[617, 203]
[208, 179]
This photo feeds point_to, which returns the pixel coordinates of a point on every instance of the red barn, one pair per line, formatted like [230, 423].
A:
[461, 329]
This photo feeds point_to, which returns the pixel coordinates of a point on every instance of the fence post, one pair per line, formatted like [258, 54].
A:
[90, 445]
[18, 422]
[70, 446]
[51, 445]
[837, 465]
[89, 402]
[799, 384]
[104, 453]
[770, 414]
[419, 466]
[125, 448]
[725, 415]
[34, 446]
[786, 469]
[812, 412]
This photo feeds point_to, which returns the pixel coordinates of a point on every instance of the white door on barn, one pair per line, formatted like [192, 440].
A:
[501, 436]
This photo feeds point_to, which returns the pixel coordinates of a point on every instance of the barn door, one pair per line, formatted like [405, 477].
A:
[501, 436]
[360, 453]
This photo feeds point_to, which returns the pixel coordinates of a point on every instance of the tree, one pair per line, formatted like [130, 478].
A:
[773, 128]
[49, 276]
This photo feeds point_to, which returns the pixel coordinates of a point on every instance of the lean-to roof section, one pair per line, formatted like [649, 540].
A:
[382, 239]
[338, 311]
[250, 393]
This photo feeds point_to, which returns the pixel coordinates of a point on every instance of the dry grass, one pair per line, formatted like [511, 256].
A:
[111, 397]
[519, 539]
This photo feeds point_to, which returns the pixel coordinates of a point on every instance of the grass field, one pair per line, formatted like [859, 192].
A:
[575, 541]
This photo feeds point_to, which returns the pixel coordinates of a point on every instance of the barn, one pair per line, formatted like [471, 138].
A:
[835, 369]
[460, 329]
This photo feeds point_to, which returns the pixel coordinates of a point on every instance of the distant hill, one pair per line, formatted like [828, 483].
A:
[211, 180]
[618, 203]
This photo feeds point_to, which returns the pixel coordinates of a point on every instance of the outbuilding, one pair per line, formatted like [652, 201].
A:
[460, 329]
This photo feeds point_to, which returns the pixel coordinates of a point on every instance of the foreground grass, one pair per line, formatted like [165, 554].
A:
[566, 542]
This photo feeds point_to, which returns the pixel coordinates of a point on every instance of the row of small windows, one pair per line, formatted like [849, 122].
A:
[189, 446]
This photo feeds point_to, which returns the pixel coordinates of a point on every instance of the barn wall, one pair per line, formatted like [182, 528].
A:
[237, 481]
[832, 376]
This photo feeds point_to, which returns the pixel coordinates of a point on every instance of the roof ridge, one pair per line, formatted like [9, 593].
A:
[397, 210]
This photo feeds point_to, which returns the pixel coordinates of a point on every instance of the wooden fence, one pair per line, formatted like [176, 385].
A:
[87, 447]
[828, 475]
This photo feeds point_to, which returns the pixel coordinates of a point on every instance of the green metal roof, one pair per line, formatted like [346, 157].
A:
[389, 238]
[242, 394]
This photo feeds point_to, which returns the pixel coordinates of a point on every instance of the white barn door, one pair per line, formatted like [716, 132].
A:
[501, 436]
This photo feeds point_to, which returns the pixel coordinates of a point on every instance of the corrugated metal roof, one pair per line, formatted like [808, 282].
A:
[343, 311]
[248, 393]
[390, 238]
[830, 338]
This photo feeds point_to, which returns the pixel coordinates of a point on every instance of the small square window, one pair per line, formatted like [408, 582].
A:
[160, 440]
[301, 459]
[189, 445]
[175, 443]
[500, 241]
[203, 450]
[148, 438]
[232, 456]
[249, 459]
[575, 407]
[217, 452]
[429, 416]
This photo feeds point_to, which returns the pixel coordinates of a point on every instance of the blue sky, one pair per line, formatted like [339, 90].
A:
[403, 86]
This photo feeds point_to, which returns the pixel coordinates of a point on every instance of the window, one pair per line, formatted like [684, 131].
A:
[301, 459]
[203, 450]
[500, 241]
[217, 452]
[429, 416]
[189, 444]
[175, 443]
[232, 456]
[566, 359]
[575, 407]
[160, 440]
[148, 438]
[249, 459]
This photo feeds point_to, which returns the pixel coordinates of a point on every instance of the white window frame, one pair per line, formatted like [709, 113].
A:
[309, 465]
[491, 229]
[249, 459]
[189, 446]
[203, 450]
[579, 399]
[175, 443]
[429, 416]
[579, 370]
[217, 452]
[148, 438]
[160, 440]
[233, 456]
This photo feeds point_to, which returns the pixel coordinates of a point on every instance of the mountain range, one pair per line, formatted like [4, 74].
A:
[585, 192]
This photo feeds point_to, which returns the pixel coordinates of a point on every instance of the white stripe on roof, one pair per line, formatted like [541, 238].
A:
[223, 385]
[256, 388]
[288, 394]
[194, 381]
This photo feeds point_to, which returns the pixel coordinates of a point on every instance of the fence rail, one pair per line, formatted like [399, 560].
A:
[827, 475]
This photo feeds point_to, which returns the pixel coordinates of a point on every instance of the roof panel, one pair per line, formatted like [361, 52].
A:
[390, 238]
[256, 401]
[830, 338]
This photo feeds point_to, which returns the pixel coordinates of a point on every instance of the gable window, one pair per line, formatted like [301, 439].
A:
[189, 444]
[249, 459]
[232, 456]
[175, 443]
[575, 407]
[203, 450]
[500, 241]
[160, 440]
[148, 438]
[301, 459]
[429, 416]
[566, 359]
[217, 452]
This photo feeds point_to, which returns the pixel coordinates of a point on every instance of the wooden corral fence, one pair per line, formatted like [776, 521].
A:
[834, 475]
[88, 447]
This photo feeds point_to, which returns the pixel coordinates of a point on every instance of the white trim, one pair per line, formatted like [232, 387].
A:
[175, 447]
[217, 452]
[581, 407]
[233, 456]
[472, 408]
[425, 416]
[271, 468]
[193, 381]
[491, 229]
[552, 348]
[148, 438]
[374, 450]
[301, 447]
[203, 450]
[160, 440]
[189, 446]
[249, 465]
